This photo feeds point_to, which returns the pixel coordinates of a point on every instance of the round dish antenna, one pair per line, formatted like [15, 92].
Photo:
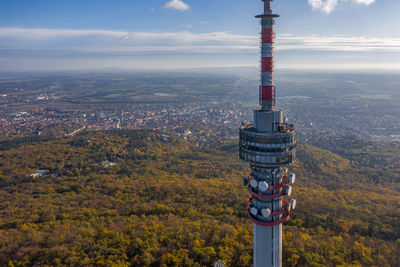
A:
[293, 203]
[288, 191]
[253, 183]
[263, 186]
[266, 212]
[254, 211]
[292, 178]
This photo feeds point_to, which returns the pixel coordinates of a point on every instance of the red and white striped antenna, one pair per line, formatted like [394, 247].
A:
[267, 87]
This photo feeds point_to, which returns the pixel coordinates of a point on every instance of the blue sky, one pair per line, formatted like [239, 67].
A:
[173, 34]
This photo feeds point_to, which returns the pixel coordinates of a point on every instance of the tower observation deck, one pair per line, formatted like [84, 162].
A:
[269, 146]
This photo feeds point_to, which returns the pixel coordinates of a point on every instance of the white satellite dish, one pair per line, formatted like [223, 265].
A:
[253, 183]
[266, 212]
[293, 203]
[289, 191]
[254, 211]
[263, 186]
[288, 208]
[292, 178]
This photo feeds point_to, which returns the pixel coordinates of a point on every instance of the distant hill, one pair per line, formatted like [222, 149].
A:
[139, 198]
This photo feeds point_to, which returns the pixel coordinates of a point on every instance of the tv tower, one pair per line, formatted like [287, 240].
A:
[269, 145]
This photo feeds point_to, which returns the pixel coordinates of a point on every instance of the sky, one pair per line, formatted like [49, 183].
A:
[182, 34]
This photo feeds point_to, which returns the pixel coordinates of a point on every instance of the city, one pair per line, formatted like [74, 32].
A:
[328, 118]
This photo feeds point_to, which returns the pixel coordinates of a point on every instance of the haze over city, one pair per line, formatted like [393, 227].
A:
[161, 34]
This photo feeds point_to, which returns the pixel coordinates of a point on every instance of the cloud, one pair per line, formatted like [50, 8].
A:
[43, 34]
[338, 43]
[180, 42]
[72, 49]
[365, 2]
[177, 5]
[187, 26]
[327, 6]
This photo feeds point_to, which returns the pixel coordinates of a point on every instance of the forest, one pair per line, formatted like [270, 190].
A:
[139, 198]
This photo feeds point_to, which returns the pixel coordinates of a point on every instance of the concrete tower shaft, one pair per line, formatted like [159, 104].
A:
[268, 145]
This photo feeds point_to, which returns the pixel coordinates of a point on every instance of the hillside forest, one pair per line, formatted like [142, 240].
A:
[138, 198]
